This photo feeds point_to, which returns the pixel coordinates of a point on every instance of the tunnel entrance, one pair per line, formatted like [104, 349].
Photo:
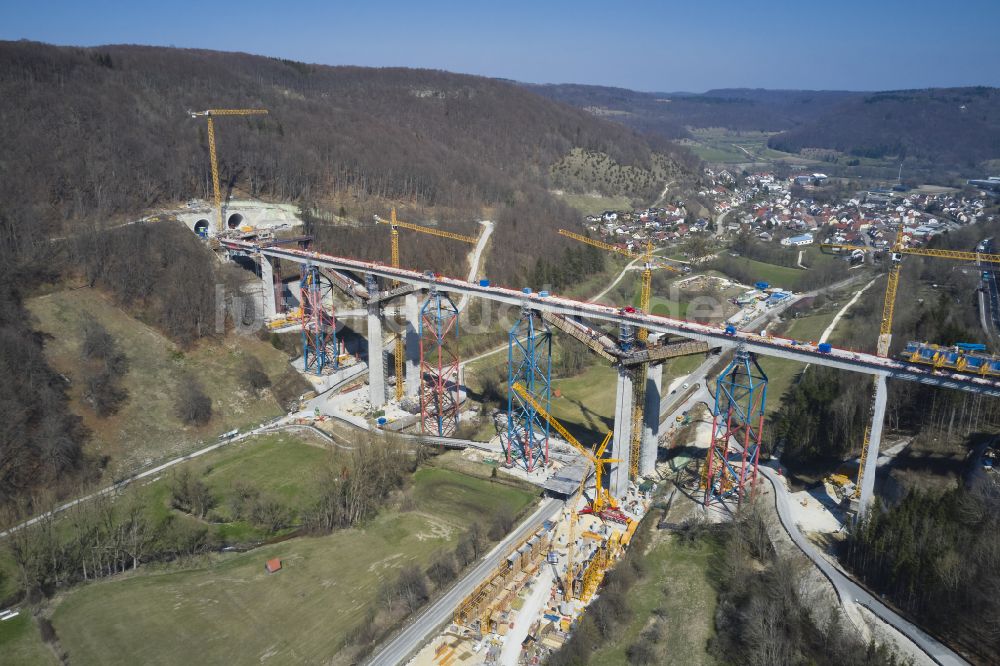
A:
[235, 220]
[201, 227]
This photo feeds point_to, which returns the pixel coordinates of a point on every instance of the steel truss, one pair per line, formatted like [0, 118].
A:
[529, 362]
[731, 463]
[439, 361]
[319, 324]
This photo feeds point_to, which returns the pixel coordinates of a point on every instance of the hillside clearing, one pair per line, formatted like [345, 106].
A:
[146, 429]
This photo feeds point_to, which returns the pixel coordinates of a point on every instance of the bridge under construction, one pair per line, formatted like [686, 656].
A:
[529, 365]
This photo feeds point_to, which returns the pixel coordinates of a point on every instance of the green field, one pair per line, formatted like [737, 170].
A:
[21, 644]
[586, 404]
[776, 276]
[782, 373]
[226, 609]
[146, 429]
[718, 145]
[677, 581]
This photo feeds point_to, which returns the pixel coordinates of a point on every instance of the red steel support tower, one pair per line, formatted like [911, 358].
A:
[731, 463]
[319, 325]
[439, 360]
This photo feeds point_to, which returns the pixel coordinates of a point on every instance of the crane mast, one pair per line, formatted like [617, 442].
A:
[395, 225]
[642, 335]
[209, 116]
[896, 253]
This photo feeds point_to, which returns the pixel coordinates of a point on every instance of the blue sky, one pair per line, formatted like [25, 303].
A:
[658, 46]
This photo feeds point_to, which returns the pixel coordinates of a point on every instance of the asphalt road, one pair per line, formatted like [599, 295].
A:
[419, 629]
[847, 590]
[990, 299]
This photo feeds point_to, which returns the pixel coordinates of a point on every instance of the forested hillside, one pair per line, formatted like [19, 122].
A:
[93, 137]
[953, 126]
[940, 127]
[93, 134]
[670, 114]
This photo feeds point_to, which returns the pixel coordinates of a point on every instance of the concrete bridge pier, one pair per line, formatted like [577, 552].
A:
[651, 420]
[621, 444]
[874, 440]
[376, 355]
[412, 309]
[267, 295]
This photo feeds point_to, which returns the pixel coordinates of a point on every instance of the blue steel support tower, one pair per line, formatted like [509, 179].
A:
[529, 361]
[731, 463]
[319, 327]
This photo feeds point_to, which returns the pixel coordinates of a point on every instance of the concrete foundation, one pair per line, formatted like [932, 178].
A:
[651, 421]
[622, 439]
[874, 440]
[412, 310]
[269, 306]
[376, 359]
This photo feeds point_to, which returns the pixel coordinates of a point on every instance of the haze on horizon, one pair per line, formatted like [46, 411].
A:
[652, 46]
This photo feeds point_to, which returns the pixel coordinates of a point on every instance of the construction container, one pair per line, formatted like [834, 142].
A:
[825, 348]
[484, 283]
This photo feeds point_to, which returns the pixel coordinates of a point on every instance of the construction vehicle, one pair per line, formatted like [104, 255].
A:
[396, 225]
[641, 370]
[603, 504]
[209, 115]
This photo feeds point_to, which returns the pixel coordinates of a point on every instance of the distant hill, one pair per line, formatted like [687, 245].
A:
[953, 126]
[949, 127]
[670, 114]
[91, 134]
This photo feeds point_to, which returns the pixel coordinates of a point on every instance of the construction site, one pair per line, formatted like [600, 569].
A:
[401, 371]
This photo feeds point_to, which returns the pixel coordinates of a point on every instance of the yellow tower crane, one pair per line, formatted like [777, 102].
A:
[896, 252]
[647, 268]
[571, 542]
[639, 385]
[396, 225]
[602, 498]
[210, 114]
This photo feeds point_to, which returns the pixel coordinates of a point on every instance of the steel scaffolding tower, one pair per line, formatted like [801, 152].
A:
[731, 463]
[529, 363]
[319, 325]
[439, 398]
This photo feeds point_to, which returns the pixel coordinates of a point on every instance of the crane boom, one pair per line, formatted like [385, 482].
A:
[953, 254]
[599, 244]
[601, 496]
[399, 224]
[842, 246]
[208, 114]
[647, 256]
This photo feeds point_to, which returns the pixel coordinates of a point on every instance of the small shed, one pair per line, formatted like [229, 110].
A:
[273, 566]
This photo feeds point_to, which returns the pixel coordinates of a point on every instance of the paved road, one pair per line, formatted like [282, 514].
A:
[989, 299]
[274, 424]
[419, 629]
[474, 257]
[847, 590]
[719, 219]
